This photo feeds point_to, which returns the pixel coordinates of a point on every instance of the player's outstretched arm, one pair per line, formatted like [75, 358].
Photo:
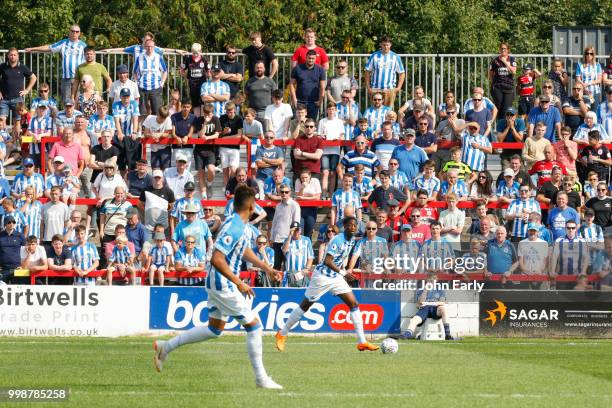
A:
[219, 262]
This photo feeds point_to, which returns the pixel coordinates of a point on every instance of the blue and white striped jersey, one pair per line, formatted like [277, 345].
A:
[376, 117]
[343, 113]
[54, 180]
[604, 117]
[96, 125]
[460, 188]
[217, 88]
[430, 185]
[120, 256]
[399, 180]
[384, 69]
[368, 158]
[149, 70]
[436, 253]
[503, 190]
[341, 199]
[475, 158]
[364, 186]
[50, 103]
[33, 216]
[589, 73]
[138, 49]
[40, 126]
[369, 250]
[233, 239]
[270, 186]
[518, 206]
[384, 149]
[594, 233]
[410, 249]
[22, 181]
[63, 121]
[339, 248]
[570, 255]
[20, 220]
[125, 114]
[84, 257]
[72, 53]
[300, 250]
[159, 255]
[181, 203]
[193, 259]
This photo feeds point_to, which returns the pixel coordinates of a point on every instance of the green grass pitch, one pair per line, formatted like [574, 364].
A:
[316, 372]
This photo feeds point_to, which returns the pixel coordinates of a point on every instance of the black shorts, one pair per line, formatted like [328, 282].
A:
[430, 312]
[525, 104]
[194, 95]
[203, 157]
[270, 211]
[162, 159]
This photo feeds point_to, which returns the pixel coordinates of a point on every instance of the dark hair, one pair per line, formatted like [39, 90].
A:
[277, 93]
[243, 197]
[57, 237]
[594, 134]
[311, 52]
[435, 224]
[348, 219]
[80, 228]
[300, 106]
[31, 239]
[485, 189]
[186, 101]
[421, 191]
[89, 48]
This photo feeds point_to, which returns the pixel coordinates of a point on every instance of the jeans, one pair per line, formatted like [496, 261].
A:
[66, 89]
[311, 109]
[85, 180]
[8, 105]
[309, 215]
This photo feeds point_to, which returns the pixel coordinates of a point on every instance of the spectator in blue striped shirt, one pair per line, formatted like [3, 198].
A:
[32, 210]
[360, 155]
[343, 198]
[475, 147]
[85, 258]
[376, 113]
[384, 72]
[158, 261]
[570, 255]
[452, 184]
[437, 252]
[384, 145]
[215, 91]
[150, 72]
[8, 205]
[369, 251]
[518, 213]
[509, 189]
[399, 179]
[298, 258]
[188, 259]
[348, 111]
[121, 260]
[362, 184]
[66, 117]
[428, 182]
[72, 51]
[592, 234]
[406, 247]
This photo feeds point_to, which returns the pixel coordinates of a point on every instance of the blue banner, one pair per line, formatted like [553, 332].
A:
[180, 308]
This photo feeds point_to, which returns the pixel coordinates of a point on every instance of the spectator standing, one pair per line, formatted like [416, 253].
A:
[452, 221]
[139, 180]
[376, 113]
[360, 155]
[300, 56]
[215, 91]
[576, 107]
[13, 76]
[11, 242]
[307, 84]
[94, 69]
[501, 76]
[85, 258]
[589, 74]
[548, 114]
[195, 69]
[156, 202]
[177, 177]
[502, 259]
[519, 212]
[287, 211]
[559, 79]
[410, 158]
[126, 114]
[533, 149]
[157, 126]
[560, 215]
[308, 149]
[102, 152]
[123, 81]
[258, 51]
[384, 72]
[308, 188]
[150, 72]
[298, 258]
[596, 157]
[601, 205]
[232, 70]
[258, 91]
[341, 82]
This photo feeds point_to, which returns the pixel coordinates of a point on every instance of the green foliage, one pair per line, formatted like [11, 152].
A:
[434, 26]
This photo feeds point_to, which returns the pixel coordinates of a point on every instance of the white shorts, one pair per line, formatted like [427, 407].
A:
[229, 157]
[222, 305]
[321, 284]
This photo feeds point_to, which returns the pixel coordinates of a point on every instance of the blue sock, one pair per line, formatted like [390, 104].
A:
[447, 329]
[408, 334]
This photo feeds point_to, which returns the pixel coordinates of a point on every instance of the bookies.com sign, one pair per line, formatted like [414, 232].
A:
[176, 308]
[545, 314]
[73, 310]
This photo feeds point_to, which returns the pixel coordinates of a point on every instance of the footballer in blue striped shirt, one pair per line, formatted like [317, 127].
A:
[227, 292]
[330, 276]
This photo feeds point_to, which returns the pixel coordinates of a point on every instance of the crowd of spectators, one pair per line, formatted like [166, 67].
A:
[548, 212]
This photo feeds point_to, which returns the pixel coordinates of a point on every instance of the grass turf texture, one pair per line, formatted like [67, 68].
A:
[316, 372]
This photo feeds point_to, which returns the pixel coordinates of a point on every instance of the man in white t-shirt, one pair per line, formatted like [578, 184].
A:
[157, 127]
[33, 256]
[330, 128]
[533, 255]
[278, 116]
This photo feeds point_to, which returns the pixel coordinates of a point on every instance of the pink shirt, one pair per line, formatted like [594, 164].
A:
[71, 154]
[563, 154]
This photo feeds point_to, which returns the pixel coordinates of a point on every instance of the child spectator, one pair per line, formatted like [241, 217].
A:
[32, 210]
[391, 116]
[70, 187]
[463, 170]
[427, 181]
[159, 259]
[85, 258]
[121, 260]
[526, 89]
[10, 211]
[252, 132]
[363, 128]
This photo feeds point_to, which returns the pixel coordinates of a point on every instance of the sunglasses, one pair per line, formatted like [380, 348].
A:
[309, 126]
[601, 189]
[589, 53]
[424, 124]
[261, 243]
[43, 91]
[570, 228]
[75, 31]
[341, 66]
[208, 209]
[10, 222]
[450, 112]
[393, 164]
[547, 87]
[371, 229]
[415, 216]
[346, 97]
[377, 99]
[484, 177]
[524, 191]
[29, 165]
[577, 88]
[476, 100]
[190, 242]
[231, 52]
[269, 137]
[285, 192]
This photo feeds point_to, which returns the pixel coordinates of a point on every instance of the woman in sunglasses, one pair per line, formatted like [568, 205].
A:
[589, 73]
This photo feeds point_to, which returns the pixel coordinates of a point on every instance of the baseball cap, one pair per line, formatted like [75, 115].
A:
[508, 172]
[125, 92]
[158, 173]
[122, 69]
[132, 211]
[544, 98]
[527, 67]
[409, 131]
[142, 161]
[181, 157]
[532, 226]
[511, 111]
[190, 185]
[392, 202]
[28, 162]
[589, 211]
[58, 159]
[8, 219]
[159, 235]
[215, 67]
[67, 168]
[295, 224]
[406, 227]
[418, 107]
[69, 102]
[190, 208]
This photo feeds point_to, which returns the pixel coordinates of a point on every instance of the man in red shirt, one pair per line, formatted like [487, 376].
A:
[428, 214]
[566, 150]
[420, 232]
[307, 150]
[299, 56]
[543, 168]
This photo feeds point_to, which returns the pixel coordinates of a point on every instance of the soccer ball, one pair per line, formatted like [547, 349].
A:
[389, 346]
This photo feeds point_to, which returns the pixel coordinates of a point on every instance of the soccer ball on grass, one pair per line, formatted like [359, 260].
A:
[389, 346]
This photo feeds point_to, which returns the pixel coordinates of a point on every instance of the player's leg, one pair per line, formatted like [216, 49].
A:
[349, 299]
[254, 345]
[294, 318]
[441, 312]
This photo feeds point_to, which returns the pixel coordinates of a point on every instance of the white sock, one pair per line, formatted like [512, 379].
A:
[254, 349]
[293, 319]
[358, 323]
[193, 335]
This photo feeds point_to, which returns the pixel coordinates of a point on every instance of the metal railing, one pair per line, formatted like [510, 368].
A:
[437, 73]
